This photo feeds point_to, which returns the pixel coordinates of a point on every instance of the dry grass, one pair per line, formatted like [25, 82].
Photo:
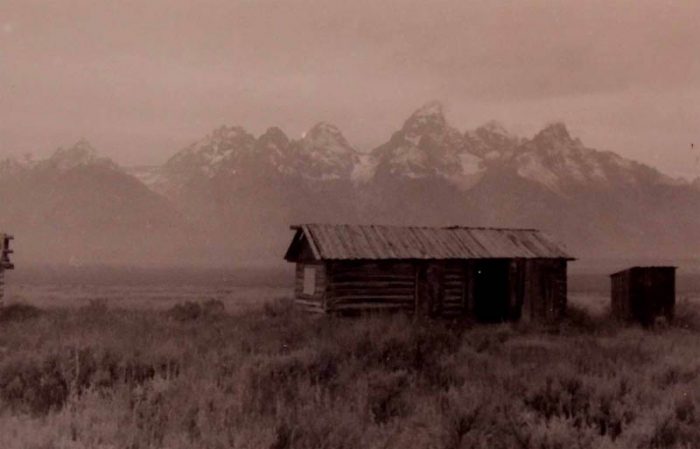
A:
[97, 377]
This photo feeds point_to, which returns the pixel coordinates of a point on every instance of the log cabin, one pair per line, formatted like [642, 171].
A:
[486, 274]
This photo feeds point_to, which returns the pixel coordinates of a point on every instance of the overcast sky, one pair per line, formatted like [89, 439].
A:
[140, 80]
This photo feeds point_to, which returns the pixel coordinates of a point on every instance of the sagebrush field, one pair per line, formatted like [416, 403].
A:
[195, 376]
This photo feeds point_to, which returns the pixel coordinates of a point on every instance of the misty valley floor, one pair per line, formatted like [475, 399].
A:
[97, 376]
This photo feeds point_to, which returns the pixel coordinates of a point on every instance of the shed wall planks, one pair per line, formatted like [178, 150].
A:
[643, 294]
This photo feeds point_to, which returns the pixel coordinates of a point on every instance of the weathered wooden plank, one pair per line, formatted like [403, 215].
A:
[452, 306]
[453, 278]
[372, 292]
[373, 284]
[339, 277]
[356, 275]
[373, 269]
[367, 301]
[310, 306]
[374, 306]
[373, 297]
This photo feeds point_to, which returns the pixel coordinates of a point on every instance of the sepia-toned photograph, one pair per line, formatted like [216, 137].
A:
[331, 224]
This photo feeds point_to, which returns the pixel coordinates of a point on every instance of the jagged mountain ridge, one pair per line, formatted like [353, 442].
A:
[426, 146]
[229, 197]
[429, 172]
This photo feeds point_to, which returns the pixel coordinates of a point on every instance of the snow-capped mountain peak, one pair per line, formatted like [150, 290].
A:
[427, 146]
[428, 118]
[222, 150]
[274, 136]
[554, 133]
[324, 153]
[274, 143]
[327, 137]
[272, 150]
[559, 161]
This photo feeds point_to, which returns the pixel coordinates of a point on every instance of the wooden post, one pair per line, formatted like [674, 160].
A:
[2, 287]
[5, 263]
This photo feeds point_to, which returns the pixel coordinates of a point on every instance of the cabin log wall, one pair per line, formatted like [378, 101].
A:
[454, 289]
[537, 287]
[357, 285]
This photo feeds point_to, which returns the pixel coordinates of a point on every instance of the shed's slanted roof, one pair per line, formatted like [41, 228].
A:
[338, 242]
[647, 268]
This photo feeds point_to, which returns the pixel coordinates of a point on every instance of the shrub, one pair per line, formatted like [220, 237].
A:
[193, 311]
[271, 382]
[579, 318]
[187, 311]
[213, 308]
[32, 385]
[95, 309]
[387, 395]
[686, 315]
[274, 378]
[278, 308]
[17, 312]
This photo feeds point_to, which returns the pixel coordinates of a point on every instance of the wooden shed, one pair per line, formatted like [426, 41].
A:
[488, 274]
[642, 294]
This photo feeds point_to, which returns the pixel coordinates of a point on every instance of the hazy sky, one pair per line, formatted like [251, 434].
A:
[140, 80]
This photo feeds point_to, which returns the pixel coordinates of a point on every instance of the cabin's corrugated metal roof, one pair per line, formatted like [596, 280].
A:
[336, 242]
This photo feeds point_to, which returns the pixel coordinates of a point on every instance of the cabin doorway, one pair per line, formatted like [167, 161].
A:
[491, 291]
[430, 289]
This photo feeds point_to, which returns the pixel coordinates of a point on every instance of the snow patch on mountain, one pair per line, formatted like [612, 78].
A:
[409, 161]
[364, 169]
[531, 167]
[491, 141]
[470, 164]
[149, 175]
